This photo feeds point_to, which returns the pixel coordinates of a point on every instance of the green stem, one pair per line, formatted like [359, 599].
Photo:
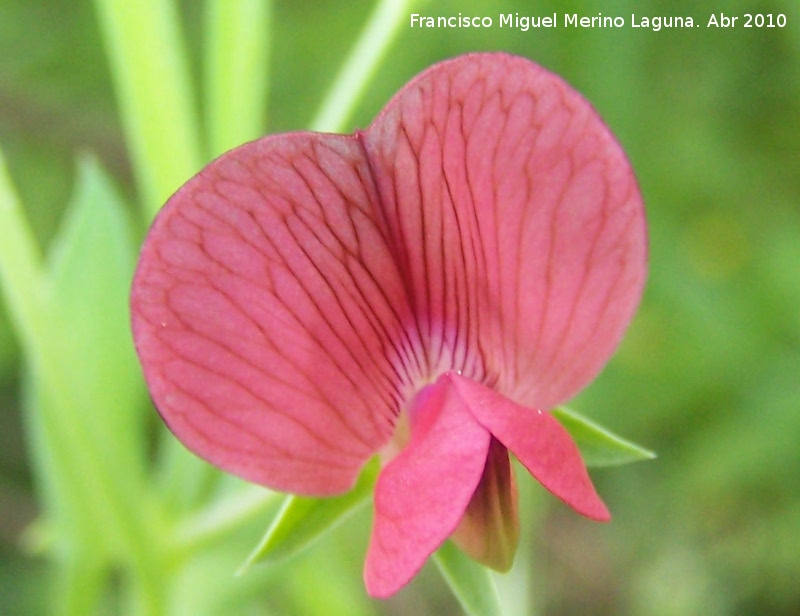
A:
[148, 63]
[79, 585]
[236, 70]
[370, 48]
[148, 587]
[472, 584]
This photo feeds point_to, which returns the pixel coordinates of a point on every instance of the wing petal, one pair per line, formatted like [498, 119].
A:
[540, 443]
[421, 495]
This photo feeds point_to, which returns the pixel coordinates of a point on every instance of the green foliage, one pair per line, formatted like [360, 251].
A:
[130, 523]
[144, 44]
[83, 391]
[236, 71]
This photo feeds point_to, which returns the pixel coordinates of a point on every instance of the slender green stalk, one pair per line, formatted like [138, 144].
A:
[472, 584]
[236, 71]
[370, 48]
[147, 586]
[79, 583]
[145, 48]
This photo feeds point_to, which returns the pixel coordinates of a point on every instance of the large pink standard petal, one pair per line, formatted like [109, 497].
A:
[516, 221]
[293, 298]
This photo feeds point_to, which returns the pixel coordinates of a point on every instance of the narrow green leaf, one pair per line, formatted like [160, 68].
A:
[20, 267]
[30, 310]
[302, 520]
[145, 48]
[599, 446]
[470, 582]
[89, 273]
[236, 71]
[378, 34]
[93, 499]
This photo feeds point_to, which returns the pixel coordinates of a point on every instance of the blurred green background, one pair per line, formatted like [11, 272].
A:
[707, 376]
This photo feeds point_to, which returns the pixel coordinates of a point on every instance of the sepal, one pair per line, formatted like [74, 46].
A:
[304, 520]
[599, 446]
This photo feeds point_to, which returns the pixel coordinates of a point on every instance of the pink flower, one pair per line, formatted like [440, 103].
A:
[425, 289]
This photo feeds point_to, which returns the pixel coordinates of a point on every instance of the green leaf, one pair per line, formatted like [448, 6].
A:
[20, 268]
[470, 582]
[599, 446]
[149, 65]
[66, 496]
[89, 273]
[303, 520]
[236, 70]
[80, 379]
[95, 388]
[90, 393]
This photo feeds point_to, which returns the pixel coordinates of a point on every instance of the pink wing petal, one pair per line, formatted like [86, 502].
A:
[422, 494]
[543, 446]
[516, 221]
[267, 312]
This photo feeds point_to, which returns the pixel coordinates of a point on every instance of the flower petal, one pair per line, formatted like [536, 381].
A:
[516, 221]
[540, 443]
[421, 495]
[268, 314]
